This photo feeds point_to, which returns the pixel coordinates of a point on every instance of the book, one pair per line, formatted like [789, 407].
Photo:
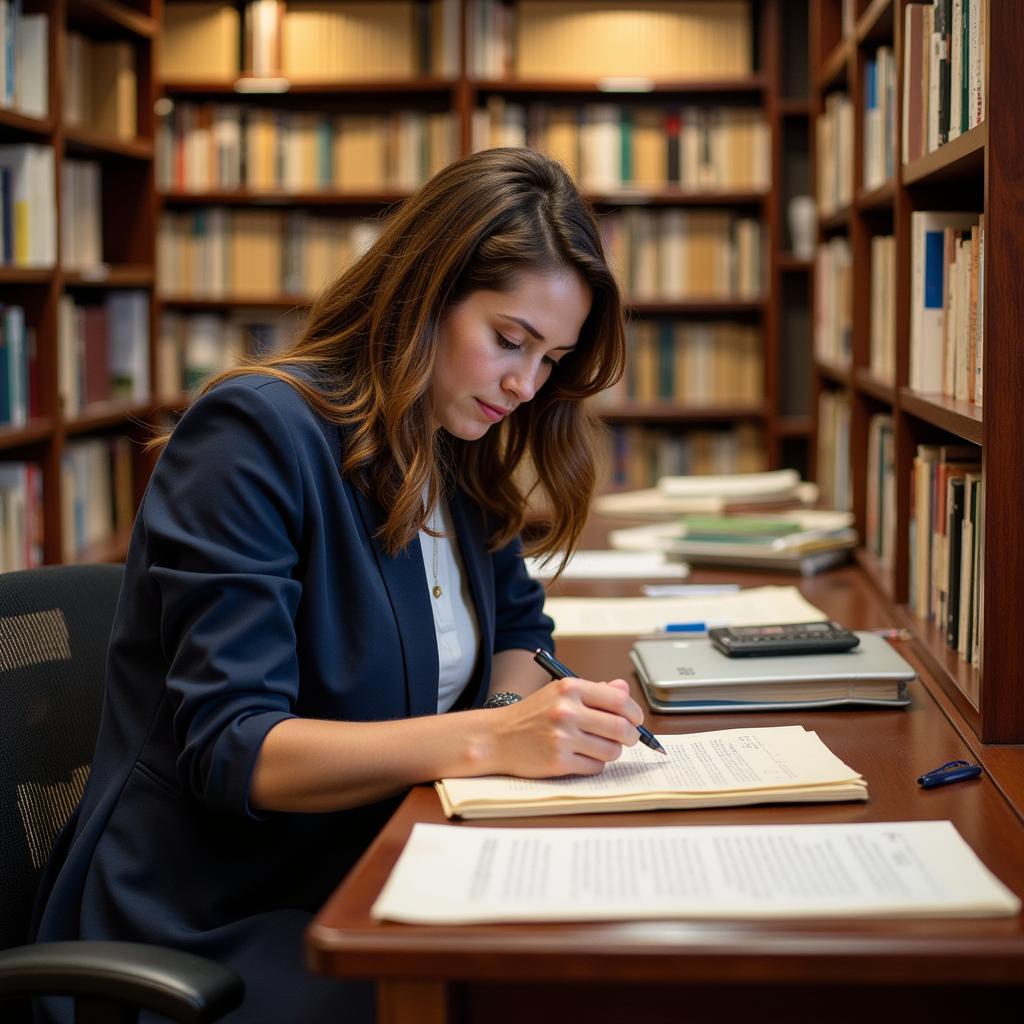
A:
[652, 502]
[690, 674]
[724, 768]
[861, 869]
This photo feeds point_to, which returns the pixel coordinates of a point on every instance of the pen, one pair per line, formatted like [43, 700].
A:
[952, 771]
[557, 670]
[690, 627]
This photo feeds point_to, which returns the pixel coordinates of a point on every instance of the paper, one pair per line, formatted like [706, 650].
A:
[731, 484]
[450, 874]
[652, 502]
[634, 616]
[715, 768]
[611, 565]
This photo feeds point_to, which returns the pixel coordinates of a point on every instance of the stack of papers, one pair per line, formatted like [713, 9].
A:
[783, 764]
[804, 541]
[610, 565]
[452, 875]
[634, 616]
[779, 489]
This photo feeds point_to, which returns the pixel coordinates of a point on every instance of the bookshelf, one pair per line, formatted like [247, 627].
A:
[69, 478]
[970, 173]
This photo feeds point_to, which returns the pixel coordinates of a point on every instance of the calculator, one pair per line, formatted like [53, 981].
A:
[790, 638]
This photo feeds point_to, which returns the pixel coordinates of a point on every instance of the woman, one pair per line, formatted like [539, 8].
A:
[326, 562]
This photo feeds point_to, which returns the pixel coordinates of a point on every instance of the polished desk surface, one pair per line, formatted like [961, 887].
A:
[415, 964]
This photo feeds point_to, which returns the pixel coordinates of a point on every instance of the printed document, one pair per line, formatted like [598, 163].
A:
[725, 767]
[450, 874]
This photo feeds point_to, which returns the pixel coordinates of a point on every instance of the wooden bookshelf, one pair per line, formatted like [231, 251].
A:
[973, 172]
[46, 439]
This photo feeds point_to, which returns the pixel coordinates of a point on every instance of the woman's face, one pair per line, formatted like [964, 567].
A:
[496, 349]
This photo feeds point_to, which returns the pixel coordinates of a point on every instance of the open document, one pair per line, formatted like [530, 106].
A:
[631, 616]
[453, 875]
[778, 764]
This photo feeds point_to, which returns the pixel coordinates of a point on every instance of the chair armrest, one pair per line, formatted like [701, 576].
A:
[182, 986]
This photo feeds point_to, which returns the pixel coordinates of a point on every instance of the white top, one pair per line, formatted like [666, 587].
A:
[455, 623]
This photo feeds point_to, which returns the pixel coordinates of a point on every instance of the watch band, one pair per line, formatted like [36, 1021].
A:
[500, 700]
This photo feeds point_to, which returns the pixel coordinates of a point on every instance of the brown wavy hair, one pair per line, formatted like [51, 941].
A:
[368, 349]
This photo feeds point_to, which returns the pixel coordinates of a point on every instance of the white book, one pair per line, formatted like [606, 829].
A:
[31, 85]
[864, 869]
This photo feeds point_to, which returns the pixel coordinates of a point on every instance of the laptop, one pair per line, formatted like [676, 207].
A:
[687, 675]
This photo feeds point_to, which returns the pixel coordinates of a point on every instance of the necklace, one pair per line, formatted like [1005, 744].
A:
[436, 591]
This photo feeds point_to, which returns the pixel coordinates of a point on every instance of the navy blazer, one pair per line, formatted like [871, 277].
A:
[255, 590]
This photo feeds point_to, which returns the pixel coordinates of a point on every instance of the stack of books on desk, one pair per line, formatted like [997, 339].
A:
[804, 541]
[737, 492]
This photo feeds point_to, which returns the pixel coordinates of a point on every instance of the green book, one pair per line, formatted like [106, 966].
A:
[738, 529]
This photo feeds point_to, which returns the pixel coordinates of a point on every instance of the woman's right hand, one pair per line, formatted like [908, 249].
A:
[569, 727]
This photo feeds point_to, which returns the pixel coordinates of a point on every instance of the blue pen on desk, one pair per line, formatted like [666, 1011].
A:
[952, 771]
[693, 628]
[557, 670]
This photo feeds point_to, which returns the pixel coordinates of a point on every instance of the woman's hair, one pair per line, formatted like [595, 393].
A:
[369, 345]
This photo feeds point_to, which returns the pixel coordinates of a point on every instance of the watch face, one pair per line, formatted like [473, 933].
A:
[499, 700]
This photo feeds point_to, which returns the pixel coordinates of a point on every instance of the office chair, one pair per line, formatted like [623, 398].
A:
[55, 624]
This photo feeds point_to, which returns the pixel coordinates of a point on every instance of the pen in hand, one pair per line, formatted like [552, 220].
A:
[557, 670]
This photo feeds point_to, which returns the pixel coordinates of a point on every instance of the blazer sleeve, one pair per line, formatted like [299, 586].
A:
[520, 622]
[222, 518]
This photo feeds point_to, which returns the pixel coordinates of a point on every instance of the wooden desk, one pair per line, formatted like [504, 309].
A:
[836, 970]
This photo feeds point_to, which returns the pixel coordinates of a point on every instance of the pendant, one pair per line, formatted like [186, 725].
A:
[437, 590]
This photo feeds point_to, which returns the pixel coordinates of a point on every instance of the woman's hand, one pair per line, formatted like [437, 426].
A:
[569, 727]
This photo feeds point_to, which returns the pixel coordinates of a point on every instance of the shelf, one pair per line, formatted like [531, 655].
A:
[668, 411]
[37, 429]
[960, 418]
[683, 307]
[875, 25]
[880, 575]
[107, 14]
[626, 85]
[879, 198]
[675, 197]
[794, 426]
[833, 371]
[874, 386]
[837, 220]
[790, 263]
[237, 197]
[110, 276]
[79, 139]
[833, 70]
[250, 85]
[794, 107]
[22, 123]
[270, 302]
[25, 275]
[114, 549]
[964, 157]
[100, 415]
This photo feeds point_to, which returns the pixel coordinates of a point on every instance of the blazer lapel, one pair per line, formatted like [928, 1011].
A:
[406, 585]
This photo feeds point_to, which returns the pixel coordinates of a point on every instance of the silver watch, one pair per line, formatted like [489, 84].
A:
[499, 700]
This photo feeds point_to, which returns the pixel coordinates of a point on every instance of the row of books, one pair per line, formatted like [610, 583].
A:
[21, 516]
[640, 455]
[833, 453]
[834, 149]
[310, 41]
[690, 363]
[879, 141]
[221, 253]
[833, 302]
[19, 394]
[947, 541]
[224, 146]
[28, 223]
[24, 60]
[608, 147]
[947, 307]
[882, 297]
[944, 68]
[193, 347]
[684, 254]
[880, 491]
[101, 85]
[81, 214]
[103, 349]
[579, 40]
[97, 495]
